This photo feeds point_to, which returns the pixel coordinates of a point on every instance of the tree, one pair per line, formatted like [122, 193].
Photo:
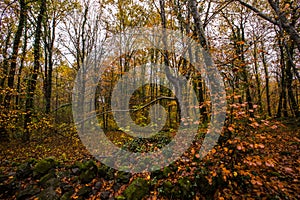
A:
[31, 85]
[15, 51]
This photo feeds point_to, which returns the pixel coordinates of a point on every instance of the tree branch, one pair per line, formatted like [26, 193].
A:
[262, 15]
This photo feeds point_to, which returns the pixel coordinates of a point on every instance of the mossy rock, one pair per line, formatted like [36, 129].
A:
[123, 177]
[53, 182]
[44, 166]
[89, 171]
[120, 198]
[48, 194]
[160, 174]
[137, 189]
[87, 176]
[28, 192]
[86, 165]
[106, 172]
[67, 195]
[25, 170]
[45, 178]
[84, 191]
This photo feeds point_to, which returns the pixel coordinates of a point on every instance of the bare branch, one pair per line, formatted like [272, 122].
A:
[262, 15]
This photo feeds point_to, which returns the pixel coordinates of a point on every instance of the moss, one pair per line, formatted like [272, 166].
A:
[120, 198]
[123, 177]
[45, 178]
[137, 189]
[67, 195]
[89, 171]
[44, 166]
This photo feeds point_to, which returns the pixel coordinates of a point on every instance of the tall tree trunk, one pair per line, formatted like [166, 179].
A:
[15, 51]
[24, 49]
[267, 78]
[176, 82]
[36, 66]
[245, 71]
[5, 64]
[289, 82]
[49, 43]
[257, 77]
[282, 106]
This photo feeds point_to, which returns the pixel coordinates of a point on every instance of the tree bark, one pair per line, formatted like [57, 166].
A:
[16, 44]
[267, 79]
[36, 66]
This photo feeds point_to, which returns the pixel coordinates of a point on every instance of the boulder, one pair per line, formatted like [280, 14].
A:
[44, 166]
[137, 189]
[48, 194]
[89, 171]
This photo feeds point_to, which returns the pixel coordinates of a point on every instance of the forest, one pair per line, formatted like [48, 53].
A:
[156, 99]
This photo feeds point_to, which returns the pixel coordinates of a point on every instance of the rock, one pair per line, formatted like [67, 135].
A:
[48, 194]
[45, 178]
[26, 169]
[160, 174]
[67, 195]
[116, 186]
[84, 191]
[98, 185]
[44, 166]
[53, 182]
[89, 171]
[106, 172]
[28, 192]
[66, 188]
[123, 177]
[75, 171]
[137, 189]
[87, 176]
[105, 195]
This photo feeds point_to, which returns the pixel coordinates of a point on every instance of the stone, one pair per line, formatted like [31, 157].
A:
[67, 195]
[104, 195]
[44, 166]
[75, 171]
[48, 194]
[106, 172]
[89, 171]
[98, 185]
[84, 191]
[137, 189]
[123, 177]
[45, 178]
[28, 192]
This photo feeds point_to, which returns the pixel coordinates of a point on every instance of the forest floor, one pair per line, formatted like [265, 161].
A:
[259, 163]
